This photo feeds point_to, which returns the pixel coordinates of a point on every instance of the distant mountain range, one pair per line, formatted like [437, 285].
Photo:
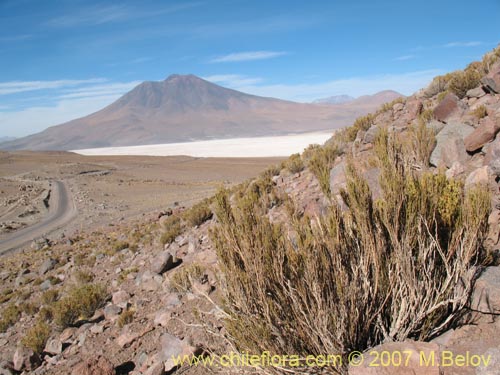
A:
[6, 139]
[336, 99]
[185, 108]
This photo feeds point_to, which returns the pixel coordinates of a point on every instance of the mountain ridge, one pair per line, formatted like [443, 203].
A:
[185, 108]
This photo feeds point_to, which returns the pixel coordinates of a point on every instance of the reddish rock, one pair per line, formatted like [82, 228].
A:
[479, 176]
[25, 359]
[121, 299]
[492, 157]
[486, 295]
[414, 108]
[483, 134]
[446, 108]
[93, 366]
[492, 80]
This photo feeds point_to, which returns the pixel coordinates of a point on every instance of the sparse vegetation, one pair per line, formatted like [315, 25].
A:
[321, 163]
[419, 144]
[9, 316]
[37, 337]
[181, 280]
[295, 164]
[172, 229]
[480, 112]
[399, 267]
[463, 81]
[80, 302]
[126, 317]
[198, 214]
[83, 277]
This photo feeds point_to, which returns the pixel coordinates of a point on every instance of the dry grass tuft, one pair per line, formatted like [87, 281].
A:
[37, 337]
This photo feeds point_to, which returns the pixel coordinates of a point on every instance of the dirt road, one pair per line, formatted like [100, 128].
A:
[61, 211]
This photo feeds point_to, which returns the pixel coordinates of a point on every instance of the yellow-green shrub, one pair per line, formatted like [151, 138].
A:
[79, 303]
[400, 267]
[36, 337]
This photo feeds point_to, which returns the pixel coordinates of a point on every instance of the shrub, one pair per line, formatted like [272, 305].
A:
[295, 164]
[438, 85]
[80, 302]
[83, 277]
[387, 270]
[10, 315]
[480, 112]
[362, 123]
[463, 81]
[181, 281]
[198, 214]
[419, 144]
[172, 230]
[427, 115]
[126, 317]
[50, 296]
[36, 337]
[321, 163]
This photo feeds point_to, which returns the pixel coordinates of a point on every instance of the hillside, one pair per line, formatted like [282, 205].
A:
[186, 108]
[384, 240]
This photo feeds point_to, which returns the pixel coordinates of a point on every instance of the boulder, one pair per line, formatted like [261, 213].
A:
[47, 266]
[484, 133]
[492, 157]
[454, 151]
[370, 134]
[162, 262]
[94, 366]
[338, 178]
[478, 92]
[492, 81]
[448, 106]
[172, 347]
[127, 337]
[25, 359]
[121, 299]
[486, 294]
[478, 176]
[450, 141]
[111, 312]
[53, 346]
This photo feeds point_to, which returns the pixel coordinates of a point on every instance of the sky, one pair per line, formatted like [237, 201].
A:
[63, 59]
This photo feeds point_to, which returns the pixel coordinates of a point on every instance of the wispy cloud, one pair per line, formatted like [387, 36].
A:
[405, 57]
[14, 87]
[248, 56]
[405, 83]
[65, 104]
[233, 80]
[463, 44]
[15, 38]
[94, 91]
[103, 14]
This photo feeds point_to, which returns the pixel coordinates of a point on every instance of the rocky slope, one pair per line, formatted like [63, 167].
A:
[186, 108]
[148, 317]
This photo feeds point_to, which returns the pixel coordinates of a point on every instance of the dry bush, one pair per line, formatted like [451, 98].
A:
[181, 281]
[427, 115]
[480, 112]
[126, 317]
[419, 144]
[295, 164]
[9, 316]
[387, 270]
[83, 277]
[37, 337]
[172, 229]
[198, 214]
[80, 303]
[438, 85]
[463, 81]
[361, 123]
[320, 164]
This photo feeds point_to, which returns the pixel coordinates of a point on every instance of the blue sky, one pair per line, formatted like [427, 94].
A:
[62, 59]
